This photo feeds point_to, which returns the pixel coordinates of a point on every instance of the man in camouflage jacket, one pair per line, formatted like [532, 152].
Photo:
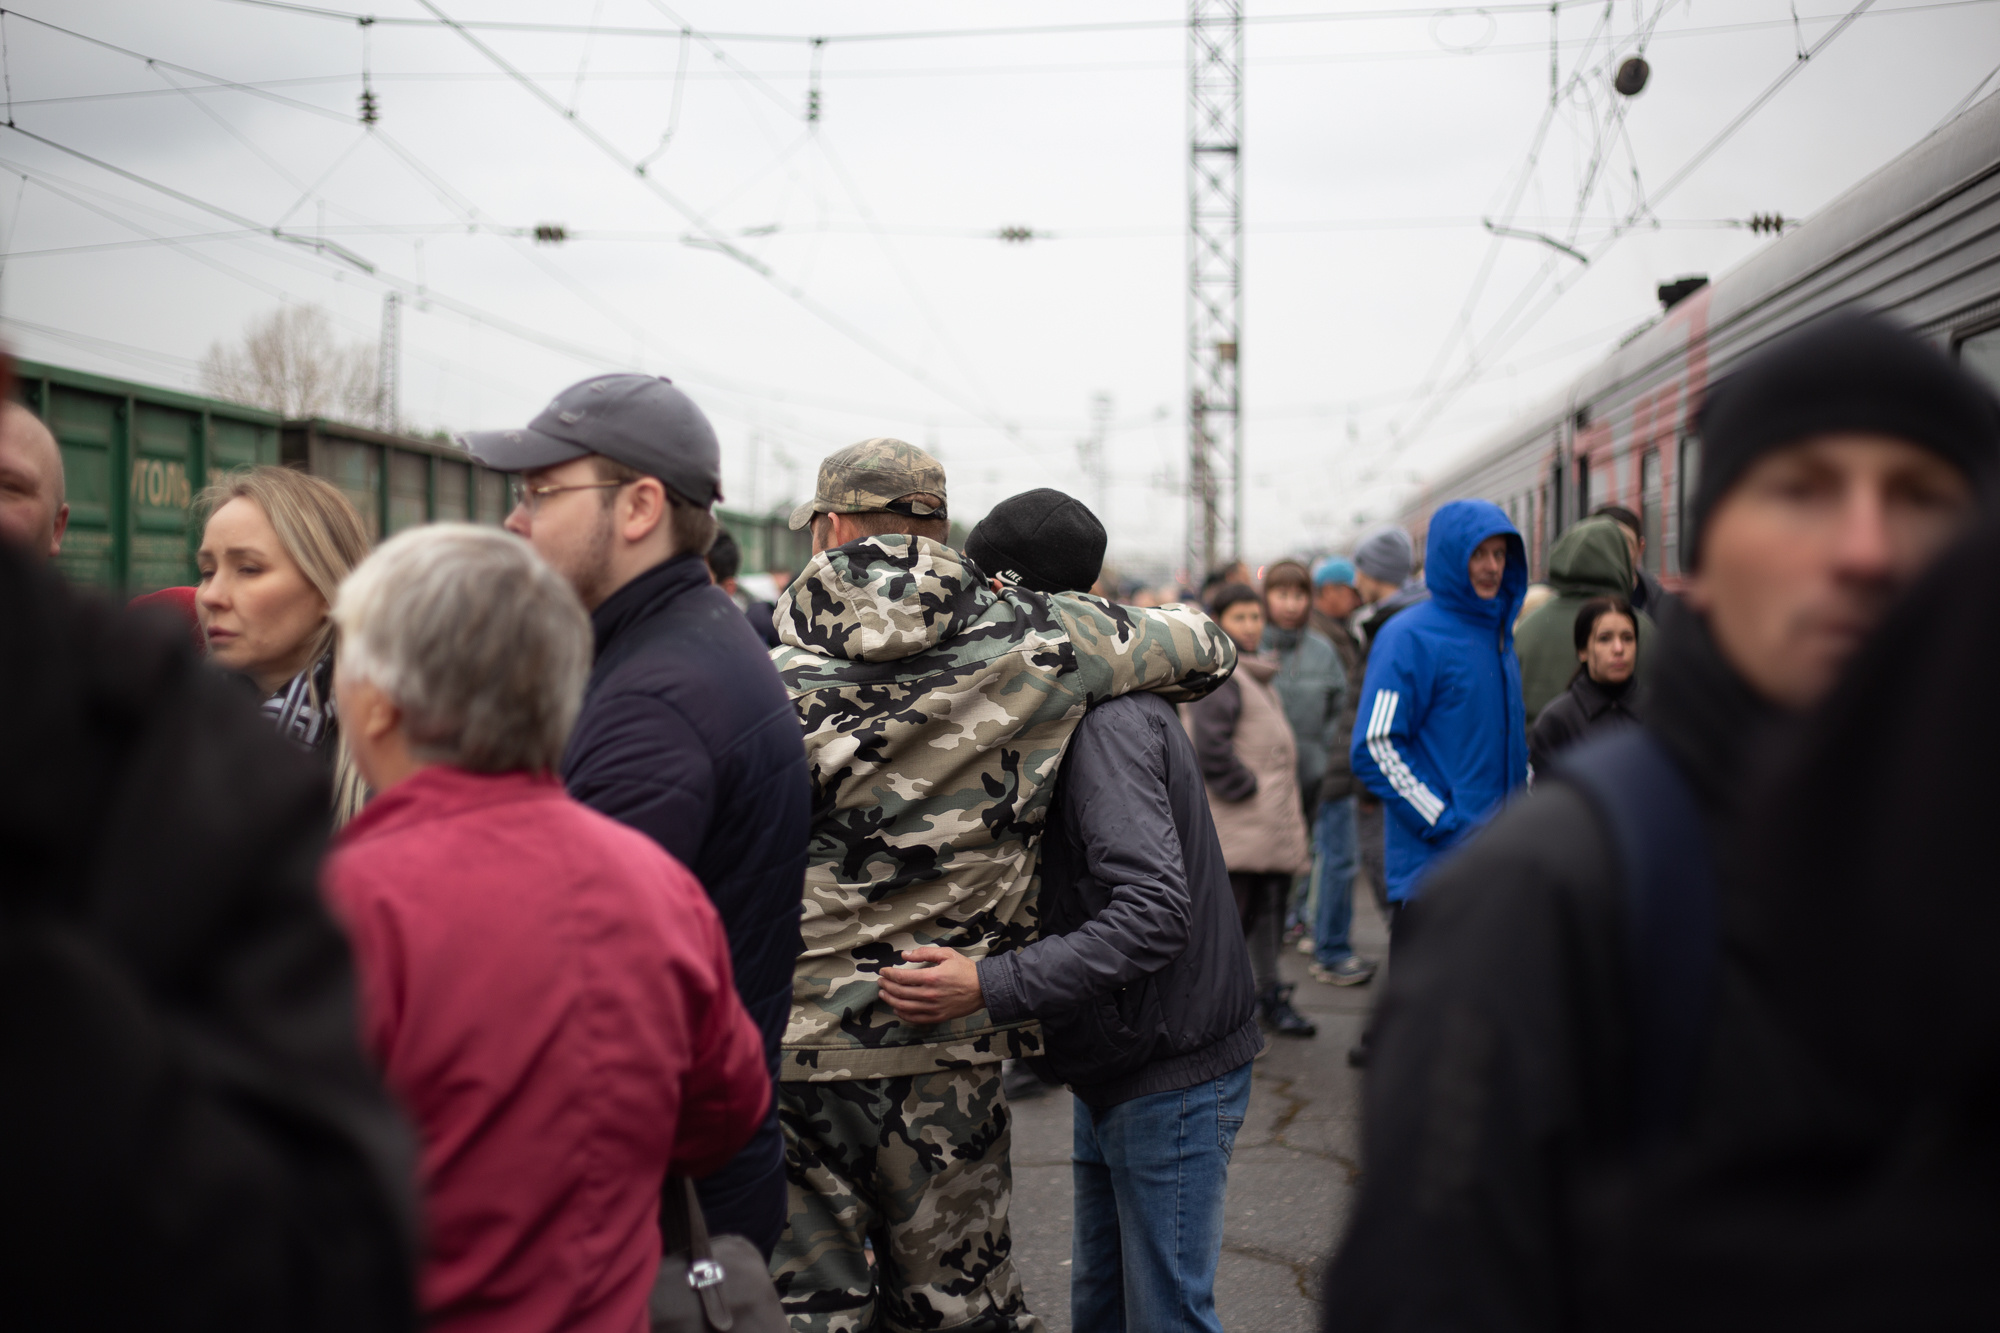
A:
[935, 711]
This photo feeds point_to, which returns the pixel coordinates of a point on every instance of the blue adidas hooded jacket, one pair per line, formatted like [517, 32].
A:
[1441, 736]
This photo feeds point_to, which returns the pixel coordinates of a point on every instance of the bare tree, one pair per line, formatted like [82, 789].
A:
[290, 363]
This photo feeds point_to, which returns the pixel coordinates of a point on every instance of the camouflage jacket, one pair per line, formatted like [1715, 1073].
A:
[936, 712]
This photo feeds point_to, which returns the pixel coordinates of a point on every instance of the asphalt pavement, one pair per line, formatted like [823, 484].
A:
[1292, 1176]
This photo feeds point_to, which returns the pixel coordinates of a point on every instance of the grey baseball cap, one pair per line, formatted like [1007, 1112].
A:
[642, 421]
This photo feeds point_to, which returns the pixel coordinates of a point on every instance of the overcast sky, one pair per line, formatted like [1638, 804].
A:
[869, 293]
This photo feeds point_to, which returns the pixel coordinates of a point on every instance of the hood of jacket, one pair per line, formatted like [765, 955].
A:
[1592, 560]
[1455, 530]
[881, 599]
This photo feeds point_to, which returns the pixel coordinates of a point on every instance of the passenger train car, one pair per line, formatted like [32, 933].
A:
[135, 456]
[1919, 240]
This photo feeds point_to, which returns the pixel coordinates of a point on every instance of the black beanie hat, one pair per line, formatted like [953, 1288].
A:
[1041, 540]
[1848, 371]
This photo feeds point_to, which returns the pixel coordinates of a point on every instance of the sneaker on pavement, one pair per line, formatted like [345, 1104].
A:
[1353, 970]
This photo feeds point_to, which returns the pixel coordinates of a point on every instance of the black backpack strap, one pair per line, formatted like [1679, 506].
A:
[1663, 848]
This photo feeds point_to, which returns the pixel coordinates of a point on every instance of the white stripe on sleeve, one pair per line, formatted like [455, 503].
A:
[1421, 798]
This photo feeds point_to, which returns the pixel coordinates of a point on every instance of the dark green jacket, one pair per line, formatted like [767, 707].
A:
[1590, 560]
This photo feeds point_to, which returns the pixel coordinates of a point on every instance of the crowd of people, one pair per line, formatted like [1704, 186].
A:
[407, 936]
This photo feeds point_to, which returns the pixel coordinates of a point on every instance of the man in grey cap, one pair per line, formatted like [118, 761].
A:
[936, 710]
[686, 733]
[1383, 565]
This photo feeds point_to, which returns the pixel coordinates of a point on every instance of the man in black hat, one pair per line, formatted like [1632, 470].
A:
[1140, 979]
[1563, 1017]
[686, 733]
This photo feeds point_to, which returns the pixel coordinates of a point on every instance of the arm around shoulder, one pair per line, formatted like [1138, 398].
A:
[1173, 651]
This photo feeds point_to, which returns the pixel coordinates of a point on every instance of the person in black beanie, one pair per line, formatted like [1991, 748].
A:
[1141, 979]
[1041, 540]
[1568, 1016]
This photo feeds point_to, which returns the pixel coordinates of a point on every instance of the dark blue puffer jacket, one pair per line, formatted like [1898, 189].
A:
[687, 735]
[1441, 736]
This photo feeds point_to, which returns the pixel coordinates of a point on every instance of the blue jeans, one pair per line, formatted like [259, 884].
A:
[1334, 841]
[1150, 1176]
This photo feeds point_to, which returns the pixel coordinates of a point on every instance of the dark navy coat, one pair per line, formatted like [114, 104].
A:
[687, 735]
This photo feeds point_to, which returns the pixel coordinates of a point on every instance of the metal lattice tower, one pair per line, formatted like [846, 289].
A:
[1215, 284]
[389, 358]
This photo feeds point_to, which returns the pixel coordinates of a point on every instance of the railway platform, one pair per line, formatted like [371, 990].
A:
[1292, 1178]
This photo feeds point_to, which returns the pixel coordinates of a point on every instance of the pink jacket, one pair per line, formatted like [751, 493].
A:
[1250, 762]
[548, 993]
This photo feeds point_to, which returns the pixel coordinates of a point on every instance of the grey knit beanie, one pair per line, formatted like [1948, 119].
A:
[1386, 554]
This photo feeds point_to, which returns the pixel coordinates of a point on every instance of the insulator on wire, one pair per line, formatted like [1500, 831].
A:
[369, 112]
[550, 233]
[1771, 223]
[1631, 78]
[1016, 235]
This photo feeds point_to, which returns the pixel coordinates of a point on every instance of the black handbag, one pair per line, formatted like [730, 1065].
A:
[721, 1284]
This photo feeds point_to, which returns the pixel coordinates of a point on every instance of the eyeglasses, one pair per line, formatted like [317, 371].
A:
[530, 497]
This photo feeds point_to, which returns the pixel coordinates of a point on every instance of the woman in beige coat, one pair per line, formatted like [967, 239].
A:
[1249, 760]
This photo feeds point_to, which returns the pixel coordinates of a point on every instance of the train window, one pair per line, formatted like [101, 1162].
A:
[490, 490]
[1649, 509]
[453, 502]
[1980, 354]
[1687, 475]
[357, 470]
[409, 490]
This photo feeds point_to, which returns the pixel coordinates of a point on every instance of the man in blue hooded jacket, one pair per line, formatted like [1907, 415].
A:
[1441, 736]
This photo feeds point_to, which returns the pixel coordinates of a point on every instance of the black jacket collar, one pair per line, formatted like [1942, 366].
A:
[1595, 699]
[646, 596]
[1705, 713]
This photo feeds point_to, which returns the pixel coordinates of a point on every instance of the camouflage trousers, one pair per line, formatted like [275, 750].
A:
[917, 1167]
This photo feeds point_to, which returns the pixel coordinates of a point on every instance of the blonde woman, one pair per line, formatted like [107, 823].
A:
[274, 549]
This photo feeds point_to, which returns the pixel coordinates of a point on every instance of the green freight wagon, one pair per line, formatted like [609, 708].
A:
[135, 456]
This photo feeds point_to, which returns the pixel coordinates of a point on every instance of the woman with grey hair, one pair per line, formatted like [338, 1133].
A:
[548, 992]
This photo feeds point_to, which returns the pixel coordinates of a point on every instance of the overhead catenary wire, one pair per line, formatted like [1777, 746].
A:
[926, 34]
[585, 235]
[728, 70]
[1522, 317]
[420, 291]
[1967, 100]
[710, 233]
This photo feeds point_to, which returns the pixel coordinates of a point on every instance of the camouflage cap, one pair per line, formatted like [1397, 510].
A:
[875, 475]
